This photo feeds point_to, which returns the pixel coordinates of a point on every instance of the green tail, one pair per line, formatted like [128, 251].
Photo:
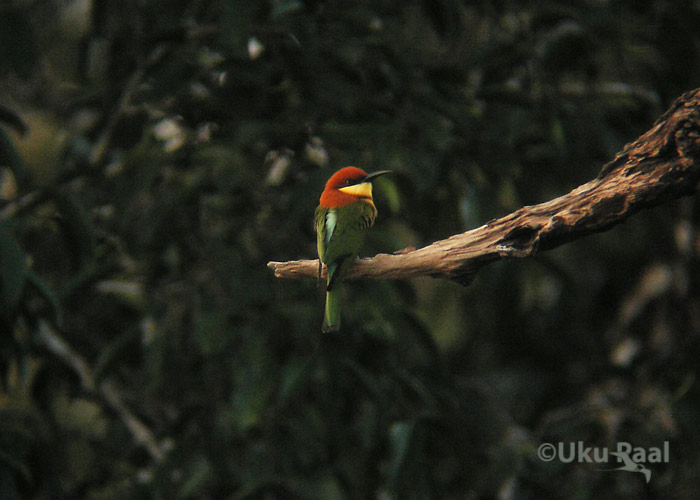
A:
[331, 317]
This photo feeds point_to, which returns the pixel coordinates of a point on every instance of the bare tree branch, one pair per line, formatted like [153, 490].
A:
[141, 434]
[659, 166]
[136, 79]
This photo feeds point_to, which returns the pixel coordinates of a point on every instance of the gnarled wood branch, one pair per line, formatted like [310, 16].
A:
[659, 166]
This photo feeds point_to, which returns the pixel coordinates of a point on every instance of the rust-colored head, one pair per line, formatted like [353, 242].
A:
[346, 177]
[348, 185]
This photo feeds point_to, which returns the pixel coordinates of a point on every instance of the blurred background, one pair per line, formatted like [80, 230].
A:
[157, 154]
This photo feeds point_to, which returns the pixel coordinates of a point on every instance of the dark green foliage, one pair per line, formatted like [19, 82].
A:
[173, 148]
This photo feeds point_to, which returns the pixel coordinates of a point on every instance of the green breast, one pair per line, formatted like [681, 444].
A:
[341, 232]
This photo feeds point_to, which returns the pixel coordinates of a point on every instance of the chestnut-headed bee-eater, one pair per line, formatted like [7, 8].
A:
[345, 212]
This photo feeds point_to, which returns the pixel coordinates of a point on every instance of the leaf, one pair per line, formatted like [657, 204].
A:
[295, 374]
[10, 157]
[81, 416]
[286, 7]
[8, 486]
[77, 225]
[9, 117]
[45, 291]
[325, 486]
[366, 380]
[15, 464]
[210, 332]
[18, 50]
[401, 437]
[198, 475]
[112, 353]
[12, 268]
[391, 195]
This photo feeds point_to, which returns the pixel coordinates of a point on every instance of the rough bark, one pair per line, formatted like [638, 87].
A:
[659, 166]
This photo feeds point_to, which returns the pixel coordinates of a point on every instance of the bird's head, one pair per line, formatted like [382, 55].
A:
[348, 185]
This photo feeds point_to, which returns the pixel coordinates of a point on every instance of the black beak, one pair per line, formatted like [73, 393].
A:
[374, 175]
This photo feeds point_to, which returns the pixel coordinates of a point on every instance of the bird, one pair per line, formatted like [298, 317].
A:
[630, 465]
[345, 212]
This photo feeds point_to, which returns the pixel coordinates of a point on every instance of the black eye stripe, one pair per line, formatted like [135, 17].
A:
[351, 182]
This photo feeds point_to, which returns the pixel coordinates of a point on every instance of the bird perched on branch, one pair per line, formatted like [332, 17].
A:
[345, 212]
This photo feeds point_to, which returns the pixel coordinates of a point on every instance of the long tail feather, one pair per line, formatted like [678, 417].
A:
[331, 317]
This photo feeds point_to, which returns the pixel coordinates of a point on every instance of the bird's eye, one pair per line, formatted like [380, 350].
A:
[348, 182]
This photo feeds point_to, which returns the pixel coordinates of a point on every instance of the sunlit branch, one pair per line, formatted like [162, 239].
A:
[661, 165]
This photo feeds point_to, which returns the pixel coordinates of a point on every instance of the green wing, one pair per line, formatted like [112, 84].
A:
[340, 234]
[321, 232]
